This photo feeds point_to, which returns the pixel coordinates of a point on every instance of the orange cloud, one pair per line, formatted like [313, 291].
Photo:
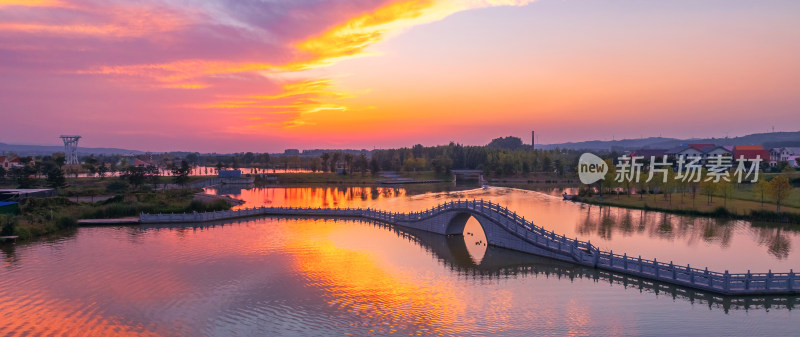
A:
[352, 37]
[183, 55]
[31, 3]
[180, 71]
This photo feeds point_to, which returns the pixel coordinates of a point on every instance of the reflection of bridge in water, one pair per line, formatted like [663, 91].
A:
[504, 228]
[500, 263]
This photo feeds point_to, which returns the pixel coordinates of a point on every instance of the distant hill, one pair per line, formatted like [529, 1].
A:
[37, 150]
[768, 140]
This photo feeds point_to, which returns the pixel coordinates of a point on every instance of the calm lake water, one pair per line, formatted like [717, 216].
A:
[300, 277]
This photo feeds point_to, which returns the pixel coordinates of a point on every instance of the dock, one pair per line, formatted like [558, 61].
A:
[12, 239]
[101, 222]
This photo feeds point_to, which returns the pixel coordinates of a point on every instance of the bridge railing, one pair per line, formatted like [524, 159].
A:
[584, 251]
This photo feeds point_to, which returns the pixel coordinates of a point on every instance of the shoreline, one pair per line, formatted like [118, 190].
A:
[786, 218]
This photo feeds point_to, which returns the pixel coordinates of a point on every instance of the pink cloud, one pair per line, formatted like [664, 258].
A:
[167, 69]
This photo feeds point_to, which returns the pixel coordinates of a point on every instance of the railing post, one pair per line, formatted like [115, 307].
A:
[655, 265]
[672, 267]
[726, 285]
[691, 273]
[625, 261]
[769, 278]
[611, 258]
[641, 267]
[747, 280]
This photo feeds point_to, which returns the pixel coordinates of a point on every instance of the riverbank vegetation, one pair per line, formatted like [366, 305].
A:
[42, 216]
[772, 198]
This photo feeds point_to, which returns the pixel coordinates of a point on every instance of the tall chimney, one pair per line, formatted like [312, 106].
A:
[533, 141]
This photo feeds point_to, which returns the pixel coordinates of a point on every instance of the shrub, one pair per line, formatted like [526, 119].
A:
[66, 222]
[7, 225]
[117, 186]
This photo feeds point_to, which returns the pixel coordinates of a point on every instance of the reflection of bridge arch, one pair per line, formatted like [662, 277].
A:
[499, 263]
[504, 228]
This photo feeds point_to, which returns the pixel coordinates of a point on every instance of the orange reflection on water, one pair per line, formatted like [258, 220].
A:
[46, 316]
[358, 281]
[317, 197]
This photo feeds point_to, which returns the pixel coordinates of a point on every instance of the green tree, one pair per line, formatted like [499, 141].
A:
[7, 225]
[335, 160]
[325, 158]
[59, 159]
[609, 183]
[55, 177]
[151, 175]
[102, 170]
[761, 190]
[363, 164]
[709, 188]
[348, 163]
[90, 164]
[508, 143]
[375, 167]
[135, 175]
[779, 189]
[726, 189]
[23, 176]
[180, 173]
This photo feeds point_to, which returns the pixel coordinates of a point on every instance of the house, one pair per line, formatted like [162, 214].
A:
[787, 154]
[689, 152]
[142, 163]
[750, 152]
[702, 151]
[8, 163]
[715, 151]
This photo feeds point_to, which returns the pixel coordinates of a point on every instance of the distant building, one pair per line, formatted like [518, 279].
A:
[787, 154]
[7, 162]
[703, 151]
[139, 162]
[750, 152]
[291, 152]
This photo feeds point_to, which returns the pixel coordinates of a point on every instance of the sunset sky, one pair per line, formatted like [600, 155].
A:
[265, 75]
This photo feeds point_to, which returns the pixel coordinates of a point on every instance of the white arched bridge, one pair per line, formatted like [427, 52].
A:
[504, 228]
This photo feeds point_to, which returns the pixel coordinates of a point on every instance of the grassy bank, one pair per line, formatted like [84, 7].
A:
[43, 216]
[700, 206]
[112, 185]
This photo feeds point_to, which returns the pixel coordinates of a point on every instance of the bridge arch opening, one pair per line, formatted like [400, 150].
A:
[473, 234]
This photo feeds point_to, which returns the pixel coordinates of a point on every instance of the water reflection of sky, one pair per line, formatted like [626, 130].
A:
[719, 244]
[290, 276]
